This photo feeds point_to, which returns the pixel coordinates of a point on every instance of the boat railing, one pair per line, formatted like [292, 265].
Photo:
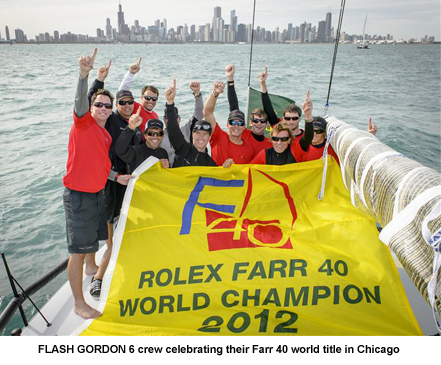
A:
[20, 297]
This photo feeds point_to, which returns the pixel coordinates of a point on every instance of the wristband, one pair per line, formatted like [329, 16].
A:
[230, 83]
[197, 94]
[215, 94]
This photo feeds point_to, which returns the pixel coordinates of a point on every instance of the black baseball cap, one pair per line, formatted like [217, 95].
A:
[154, 123]
[202, 125]
[236, 115]
[320, 122]
[121, 94]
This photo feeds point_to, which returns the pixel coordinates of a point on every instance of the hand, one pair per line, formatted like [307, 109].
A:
[307, 107]
[228, 162]
[124, 179]
[218, 88]
[86, 63]
[164, 162]
[372, 128]
[104, 71]
[135, 67]
[263, 76]
[170, 93]
[195, 86]
[229, 70]
[135, 120]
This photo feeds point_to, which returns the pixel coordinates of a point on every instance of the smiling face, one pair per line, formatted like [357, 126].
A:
[234, 130]
[125, 110]
[149, 99]
[318, 138]
[153, 137]
[200, 140]
[258, 124]
[101, 114]
[283, 139]
[293, 120]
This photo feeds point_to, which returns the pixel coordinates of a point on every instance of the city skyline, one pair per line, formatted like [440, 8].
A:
[403, 19]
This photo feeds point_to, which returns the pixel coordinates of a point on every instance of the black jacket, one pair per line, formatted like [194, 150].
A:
[115, 125]
[186, 153]
[135, 155]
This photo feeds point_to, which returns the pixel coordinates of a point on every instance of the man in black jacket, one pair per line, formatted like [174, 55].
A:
[187, 154]
[136, 155]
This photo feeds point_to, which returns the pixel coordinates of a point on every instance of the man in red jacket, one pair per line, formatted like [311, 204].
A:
[88, 167]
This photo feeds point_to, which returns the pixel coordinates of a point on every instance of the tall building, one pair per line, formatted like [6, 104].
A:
[302, 32]
[321, 32]
[8, 38]
[233, 21]
[19, 36]
[56, 36]
[217, 12]
[241, 33]
[193, 33]
[120, 19]
[108, 29]
[328, 32]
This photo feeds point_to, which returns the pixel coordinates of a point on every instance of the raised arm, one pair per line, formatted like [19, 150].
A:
[122, 145]
[175, 135]
[218, 88]
[372, 128]
[198, 112]
[134, 68]
[98, 84]
[266, 101]
[231, 91]
[85, 64]
[307, 137]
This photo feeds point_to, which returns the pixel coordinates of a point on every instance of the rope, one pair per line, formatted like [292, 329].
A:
[252, 41]
[337, 41]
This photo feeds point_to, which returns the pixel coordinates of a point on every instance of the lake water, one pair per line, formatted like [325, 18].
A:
[398, 86]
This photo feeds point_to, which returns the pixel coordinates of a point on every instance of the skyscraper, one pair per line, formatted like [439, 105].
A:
[8, 38]
[233, 21]
[321, 32]
[217, 12]
[328, 33]
[108, 29]
[120, 20]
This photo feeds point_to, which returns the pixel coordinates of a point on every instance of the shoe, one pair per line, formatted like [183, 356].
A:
[95, 288]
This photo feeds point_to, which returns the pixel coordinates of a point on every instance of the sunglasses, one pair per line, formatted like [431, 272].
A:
[99, 104]
[291, 118]
[205, 127]
[319, 131]
[154, 98]
[257, 120]
[238, 123]
[124, 102]
[152, 134]
[277, 139]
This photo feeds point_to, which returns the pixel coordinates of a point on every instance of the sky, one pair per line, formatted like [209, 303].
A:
[404, 19]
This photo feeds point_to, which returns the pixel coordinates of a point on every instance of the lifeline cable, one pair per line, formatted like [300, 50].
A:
[337, 41]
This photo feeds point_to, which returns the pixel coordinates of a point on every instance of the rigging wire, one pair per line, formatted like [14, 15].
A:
[252, 41]
[337, 41]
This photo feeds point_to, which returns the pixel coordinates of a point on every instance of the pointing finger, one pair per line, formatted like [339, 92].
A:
[92, 57]
[139, 61]
[109, 64]
[174, 84]
[307, 95]
[370, 123]
[266, 70]
[138, 112]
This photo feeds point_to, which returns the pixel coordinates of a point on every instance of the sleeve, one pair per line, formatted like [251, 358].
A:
[175, 135]
[307, 137]
[269, 110]
[215, 137]
[198, 112]
[122, 148]
[96, 85]
[232, 97]
[126, 83]
[260, 158]
[81, 106]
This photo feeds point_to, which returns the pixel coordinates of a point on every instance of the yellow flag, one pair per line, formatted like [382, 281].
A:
[248, 250]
